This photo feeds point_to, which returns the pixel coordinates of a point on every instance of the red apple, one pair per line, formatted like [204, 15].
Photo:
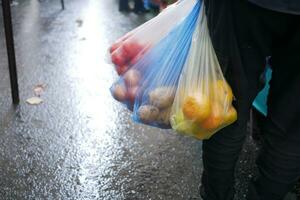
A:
[136, 59]
[131, 49]
[115, 46]
[118, 58]
[122, 69]
[139, 56]
[119, 42]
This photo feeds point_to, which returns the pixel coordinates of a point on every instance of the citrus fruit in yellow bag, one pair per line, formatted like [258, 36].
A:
[222, 91]
[215, 119]
[182, 125]
[230, 116]
[196, 109]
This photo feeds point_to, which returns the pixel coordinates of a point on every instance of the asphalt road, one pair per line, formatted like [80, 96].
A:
[80, 143]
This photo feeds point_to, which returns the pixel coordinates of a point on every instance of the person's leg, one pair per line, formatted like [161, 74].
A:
[138, 6]
[242, 68]
[258, 121]
[220, 153]
[245, 33]
[279, 161]
[123, 5]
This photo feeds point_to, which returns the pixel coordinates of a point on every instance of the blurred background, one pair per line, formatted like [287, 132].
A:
[77, 142]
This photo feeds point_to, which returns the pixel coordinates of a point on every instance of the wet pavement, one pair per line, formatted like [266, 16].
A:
[80, 143]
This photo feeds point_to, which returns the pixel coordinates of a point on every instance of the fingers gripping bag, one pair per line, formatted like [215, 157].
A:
[159, 68]
[159, 81]
[203, 101]
[130, 48]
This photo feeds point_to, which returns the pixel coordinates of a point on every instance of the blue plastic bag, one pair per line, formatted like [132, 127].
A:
[149, 86]
[159, 84]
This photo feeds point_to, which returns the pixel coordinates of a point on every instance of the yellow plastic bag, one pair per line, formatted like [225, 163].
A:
[203, 101]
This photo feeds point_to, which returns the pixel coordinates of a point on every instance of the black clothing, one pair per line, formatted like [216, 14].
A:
[123, 5]
[244, 35]
[285, 6]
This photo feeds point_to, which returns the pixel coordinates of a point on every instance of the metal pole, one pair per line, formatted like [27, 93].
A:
[62, 4]
[10, 51]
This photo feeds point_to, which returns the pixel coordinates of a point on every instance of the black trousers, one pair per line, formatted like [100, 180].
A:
[139, 6]
[123, 5]
[243, 35]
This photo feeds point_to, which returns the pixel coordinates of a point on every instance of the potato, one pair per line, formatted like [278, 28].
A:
[164, 116]
[132, 92]
[148, 113]
[162, 97]
[132, 77]
[119, 92]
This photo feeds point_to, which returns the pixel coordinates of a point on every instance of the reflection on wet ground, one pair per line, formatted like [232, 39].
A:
[80, 143]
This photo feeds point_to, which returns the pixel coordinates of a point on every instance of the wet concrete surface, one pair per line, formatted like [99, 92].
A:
[80, 143]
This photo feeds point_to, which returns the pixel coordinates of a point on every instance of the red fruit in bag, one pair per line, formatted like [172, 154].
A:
[132, 92]
[119, 42]
[118, 57]
[132, 77]
[115, 46]
[122, 69]
[131, 49]
[136, 59]
[119, 92]
[139, 56]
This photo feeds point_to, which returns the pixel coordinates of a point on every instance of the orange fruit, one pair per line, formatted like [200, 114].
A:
[215, 119]
[196, 108]
[182, 125]
[222, 92]
[230, 116]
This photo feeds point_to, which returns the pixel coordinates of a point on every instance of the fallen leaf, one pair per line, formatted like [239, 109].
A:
[34, 101]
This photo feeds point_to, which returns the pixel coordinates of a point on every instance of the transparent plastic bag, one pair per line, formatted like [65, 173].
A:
[149, 86]
[159, 83]
[130, 48]
[203, 101]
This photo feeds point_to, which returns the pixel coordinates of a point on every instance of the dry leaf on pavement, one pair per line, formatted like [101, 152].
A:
[34, 101]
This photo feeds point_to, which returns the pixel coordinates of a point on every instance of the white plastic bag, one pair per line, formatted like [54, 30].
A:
[129, 49]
